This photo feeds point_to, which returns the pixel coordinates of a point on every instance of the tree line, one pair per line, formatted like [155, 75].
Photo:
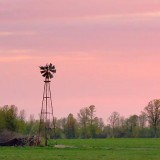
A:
[86, 124]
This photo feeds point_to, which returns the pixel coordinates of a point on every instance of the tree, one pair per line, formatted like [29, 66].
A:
[143, 128]
[61, 128]
[71, 126]
[132, 125]
[32, 125]
[10, 113]
[83, 118]
[2, 120]
[98, 128]
[114, 121]
[152, 111]
[91, 114]
[92, 125]
[142, 119]
[21, 124]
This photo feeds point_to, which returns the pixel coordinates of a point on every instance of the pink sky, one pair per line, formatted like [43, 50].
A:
[106, 52]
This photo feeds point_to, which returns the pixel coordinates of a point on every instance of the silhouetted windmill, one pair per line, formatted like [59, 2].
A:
[46, 118]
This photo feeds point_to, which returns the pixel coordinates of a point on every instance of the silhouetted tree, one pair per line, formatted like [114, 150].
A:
[133, 126]
[10, 114]
[61, 128]
[21, 124]
[92, 121]
[71, 126]
[142, 119]
[83, 119]
[113, 121]
[152, 111]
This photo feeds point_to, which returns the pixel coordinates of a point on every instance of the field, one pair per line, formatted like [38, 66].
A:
[89, 149]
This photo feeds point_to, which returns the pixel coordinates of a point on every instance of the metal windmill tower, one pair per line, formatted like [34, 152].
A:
[47, 123]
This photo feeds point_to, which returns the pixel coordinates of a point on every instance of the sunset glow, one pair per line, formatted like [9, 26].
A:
[106, 53]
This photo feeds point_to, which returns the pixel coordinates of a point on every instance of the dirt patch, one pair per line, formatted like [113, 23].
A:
[64, 146]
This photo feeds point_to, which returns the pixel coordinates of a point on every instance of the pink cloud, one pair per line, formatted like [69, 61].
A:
[11, 59]
[28, 9]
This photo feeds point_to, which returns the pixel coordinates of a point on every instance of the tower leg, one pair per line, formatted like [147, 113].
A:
[46, 117]
[46, 137]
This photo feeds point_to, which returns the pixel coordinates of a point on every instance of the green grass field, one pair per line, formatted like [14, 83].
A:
[89, 149]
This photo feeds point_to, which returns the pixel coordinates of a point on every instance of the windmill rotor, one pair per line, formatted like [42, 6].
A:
[47, 71]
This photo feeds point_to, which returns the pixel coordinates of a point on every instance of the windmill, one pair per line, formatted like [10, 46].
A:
[47, 123]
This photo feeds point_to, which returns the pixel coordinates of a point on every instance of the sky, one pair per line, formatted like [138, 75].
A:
[106, 53]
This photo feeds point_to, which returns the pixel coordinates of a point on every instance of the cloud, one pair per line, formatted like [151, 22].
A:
[27, 55]
[6, 33]
[113, 17]
[15, 55]
[14, 51]
[16, 58]
[16, 33]
[29, 10]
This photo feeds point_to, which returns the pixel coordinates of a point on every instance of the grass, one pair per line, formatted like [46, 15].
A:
[89, 149]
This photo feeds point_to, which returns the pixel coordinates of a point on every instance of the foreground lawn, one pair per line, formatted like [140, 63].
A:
[91, 149]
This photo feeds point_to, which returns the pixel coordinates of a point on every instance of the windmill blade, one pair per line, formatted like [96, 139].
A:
[50, 75]
[53, 67]
[46, 67]
[53, 71]
[50, 65]
[42, 67]
[43, 72]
